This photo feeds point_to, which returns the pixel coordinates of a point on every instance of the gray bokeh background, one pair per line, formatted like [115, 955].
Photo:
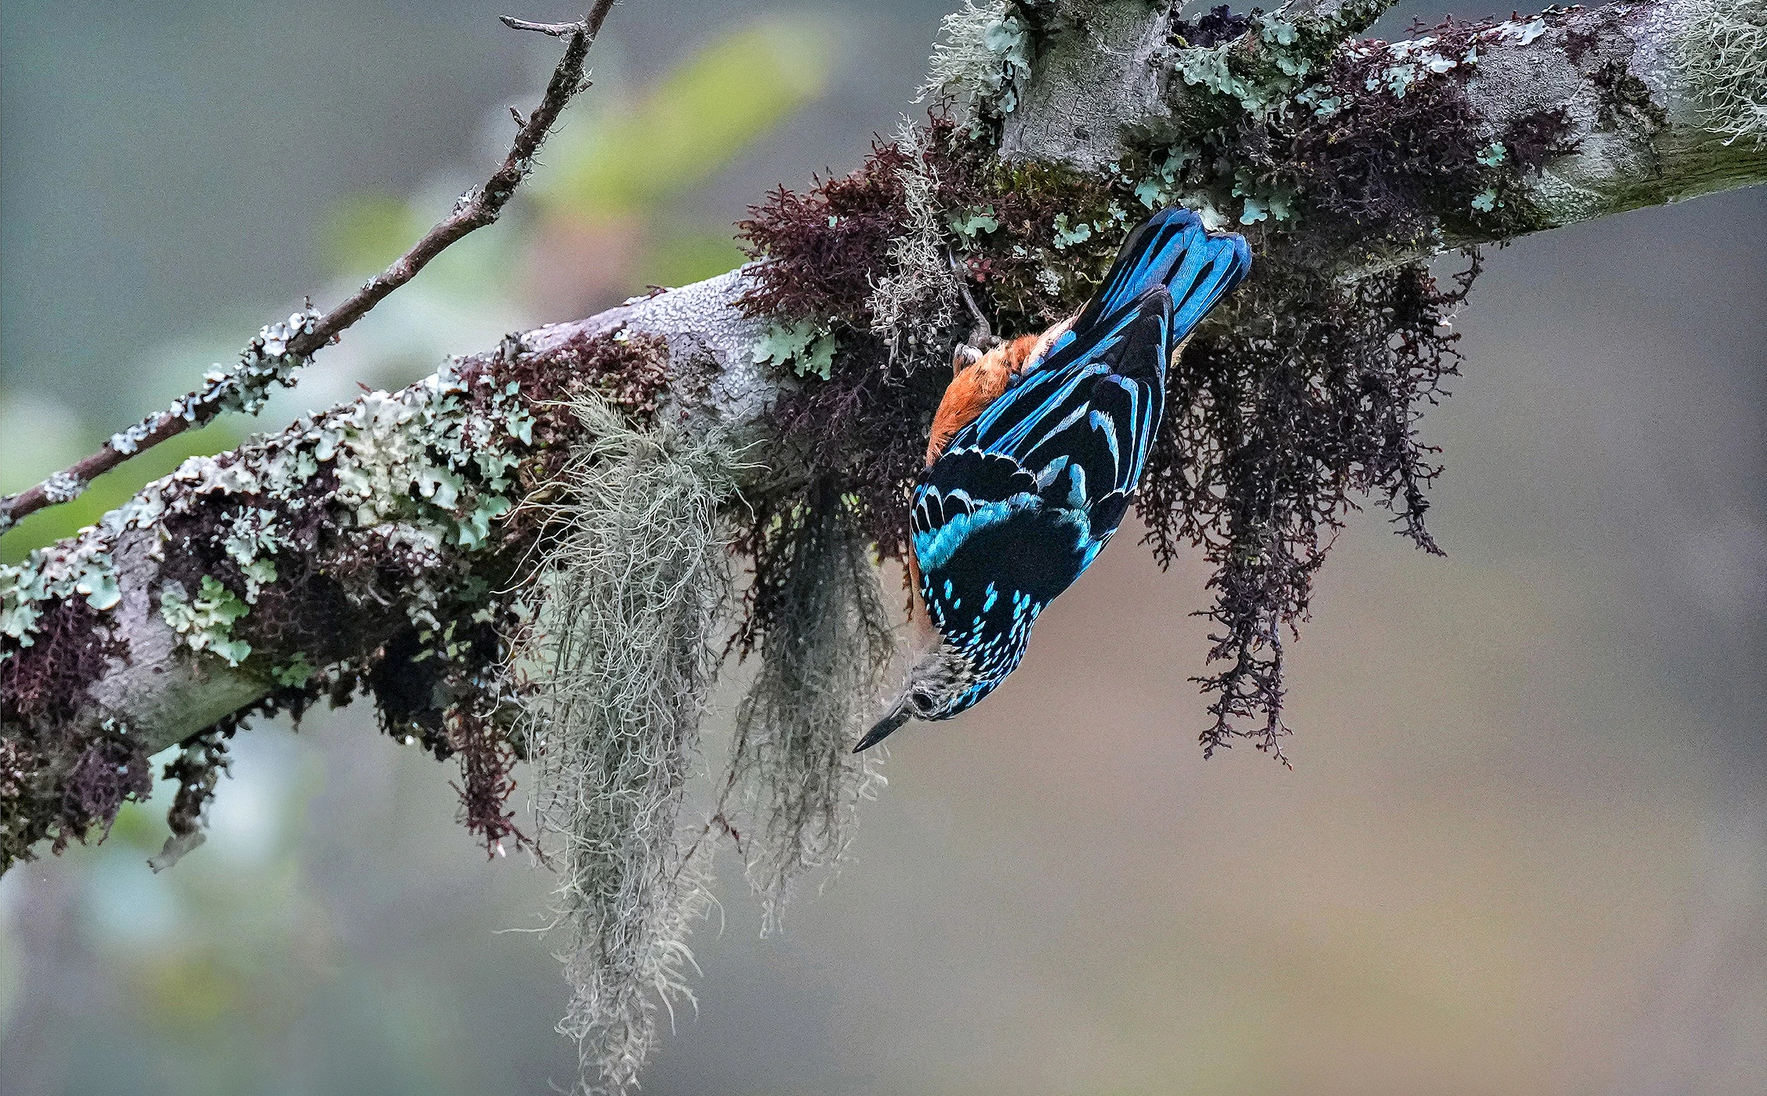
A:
[1523, 849]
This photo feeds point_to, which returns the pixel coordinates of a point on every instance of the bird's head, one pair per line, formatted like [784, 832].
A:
[938, 687]
[938, 684]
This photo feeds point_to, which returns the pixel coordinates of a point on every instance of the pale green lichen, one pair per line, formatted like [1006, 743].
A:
[986, 55]
[206, 622]
[87, 571]
[296, 673]
[1263, 71]
[426, 463]
[1066, 235]
[805, 346]
[969, 224]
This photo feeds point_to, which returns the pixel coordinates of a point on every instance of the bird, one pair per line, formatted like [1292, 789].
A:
[1034, 454]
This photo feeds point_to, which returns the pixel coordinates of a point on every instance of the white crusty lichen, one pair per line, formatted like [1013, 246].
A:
[244, 386]
[1721, 49]
[917, 300]
[623, 652]
[429, 466]
[63, 487]
[985, 54]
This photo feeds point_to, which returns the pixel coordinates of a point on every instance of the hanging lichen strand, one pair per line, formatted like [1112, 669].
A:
[1301, 396]
[625, 646]
[824, 658]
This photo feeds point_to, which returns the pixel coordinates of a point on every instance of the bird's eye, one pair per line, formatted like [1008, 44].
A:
[923, 704]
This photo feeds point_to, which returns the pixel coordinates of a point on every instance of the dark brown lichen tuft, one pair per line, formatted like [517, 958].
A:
[1275, 422]
[1623, 99]
[110, 770]
[197, 769]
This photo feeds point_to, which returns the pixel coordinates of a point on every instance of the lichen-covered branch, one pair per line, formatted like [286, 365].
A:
[404, 545]
[245, 577]
[281, 349]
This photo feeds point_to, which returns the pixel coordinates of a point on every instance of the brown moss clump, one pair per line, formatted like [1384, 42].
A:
[820, 252]
[1275, 423]
[54, 782]
[109, 771]
[43, 684]
[197, 769]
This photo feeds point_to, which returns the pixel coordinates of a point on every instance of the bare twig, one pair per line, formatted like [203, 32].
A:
[282, 348]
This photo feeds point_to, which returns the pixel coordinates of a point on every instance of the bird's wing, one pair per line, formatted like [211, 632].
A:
[1095, 401]
[1072, 436]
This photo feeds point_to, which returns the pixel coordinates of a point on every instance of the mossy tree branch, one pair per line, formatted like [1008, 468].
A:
[283, 348]
[363, 548]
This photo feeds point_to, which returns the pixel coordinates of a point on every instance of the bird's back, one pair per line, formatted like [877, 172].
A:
[1026, 495]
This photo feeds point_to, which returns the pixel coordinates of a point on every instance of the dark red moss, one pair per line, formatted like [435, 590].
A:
[487, 776]
[821, 252]
[1386, 165]
[43, 685]
[55, 782]
[109, 771]
[1274, 424]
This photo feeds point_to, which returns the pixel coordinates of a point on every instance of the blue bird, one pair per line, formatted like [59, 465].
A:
[1035, 452]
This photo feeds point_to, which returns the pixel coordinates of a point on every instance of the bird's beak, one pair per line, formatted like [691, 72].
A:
[886, 726]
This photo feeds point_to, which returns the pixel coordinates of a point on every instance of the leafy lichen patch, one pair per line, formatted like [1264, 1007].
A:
[390, 516]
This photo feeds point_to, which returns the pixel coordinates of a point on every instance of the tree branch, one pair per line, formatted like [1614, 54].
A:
[381, 515]
[282, 348]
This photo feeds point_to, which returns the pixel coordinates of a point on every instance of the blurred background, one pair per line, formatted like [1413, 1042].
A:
[1524, 845]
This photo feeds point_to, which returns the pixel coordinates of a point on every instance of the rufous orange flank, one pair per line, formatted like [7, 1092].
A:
[984, 380]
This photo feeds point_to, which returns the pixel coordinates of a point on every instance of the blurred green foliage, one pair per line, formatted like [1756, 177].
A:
[633, 156]
[365, 231]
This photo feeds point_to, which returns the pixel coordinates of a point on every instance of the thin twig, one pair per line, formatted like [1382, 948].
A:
[477, 208]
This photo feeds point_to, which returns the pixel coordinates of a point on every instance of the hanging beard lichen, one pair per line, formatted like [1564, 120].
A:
[625, 642]
[824, 658]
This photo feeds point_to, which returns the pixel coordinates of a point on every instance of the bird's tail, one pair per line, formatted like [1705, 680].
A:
[1173, 249]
